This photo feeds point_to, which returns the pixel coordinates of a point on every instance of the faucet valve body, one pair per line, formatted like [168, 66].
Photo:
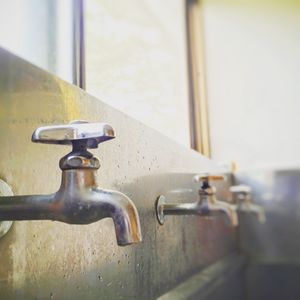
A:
[242, 195]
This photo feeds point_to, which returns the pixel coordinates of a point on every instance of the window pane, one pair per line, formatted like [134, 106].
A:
[39, 31]
[136, 61]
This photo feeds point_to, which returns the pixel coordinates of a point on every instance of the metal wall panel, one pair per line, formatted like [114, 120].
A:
[44, 259]
[273, 247]
[278, 191]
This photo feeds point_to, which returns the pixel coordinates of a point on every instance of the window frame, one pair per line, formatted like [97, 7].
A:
[199, 122]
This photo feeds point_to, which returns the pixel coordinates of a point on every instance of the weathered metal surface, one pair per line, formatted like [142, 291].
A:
[44, 259]
[278, 192]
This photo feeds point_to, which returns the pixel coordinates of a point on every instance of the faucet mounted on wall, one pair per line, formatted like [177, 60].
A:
[79, 200]
[206, 205]
[242, 196]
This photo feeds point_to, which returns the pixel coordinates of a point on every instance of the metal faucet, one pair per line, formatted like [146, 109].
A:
[79, 200]
[242, 196]
[207, 205]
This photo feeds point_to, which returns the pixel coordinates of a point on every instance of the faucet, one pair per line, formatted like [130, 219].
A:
[242, 196]
[206, 205]
[79, 200]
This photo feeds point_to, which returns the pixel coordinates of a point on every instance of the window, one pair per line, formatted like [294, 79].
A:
[130, 54]
[41, 32]
[136, 61]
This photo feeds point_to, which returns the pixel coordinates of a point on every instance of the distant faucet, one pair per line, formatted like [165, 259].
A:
[79, 200]
[243, 199]
[207, 205]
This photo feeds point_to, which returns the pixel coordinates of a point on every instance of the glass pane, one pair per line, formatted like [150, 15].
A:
[39, 31]
[136, 61]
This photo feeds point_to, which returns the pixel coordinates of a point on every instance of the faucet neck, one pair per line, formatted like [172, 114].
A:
[78, 179]
[79, 169]
[207, 193]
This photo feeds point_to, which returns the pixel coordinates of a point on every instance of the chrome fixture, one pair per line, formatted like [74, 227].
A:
[79, 200]
[207, 205]
[242, 196]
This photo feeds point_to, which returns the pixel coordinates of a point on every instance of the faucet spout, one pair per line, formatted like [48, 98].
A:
[254, 208]
[84, 203]
[227, 209]
[124, 214]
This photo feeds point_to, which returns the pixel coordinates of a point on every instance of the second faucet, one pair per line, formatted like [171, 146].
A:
[207, 205]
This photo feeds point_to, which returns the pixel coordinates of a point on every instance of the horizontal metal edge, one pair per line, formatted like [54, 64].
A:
[208, 279]
[265, 260]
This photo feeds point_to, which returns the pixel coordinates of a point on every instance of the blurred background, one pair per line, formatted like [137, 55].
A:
[220, 76]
